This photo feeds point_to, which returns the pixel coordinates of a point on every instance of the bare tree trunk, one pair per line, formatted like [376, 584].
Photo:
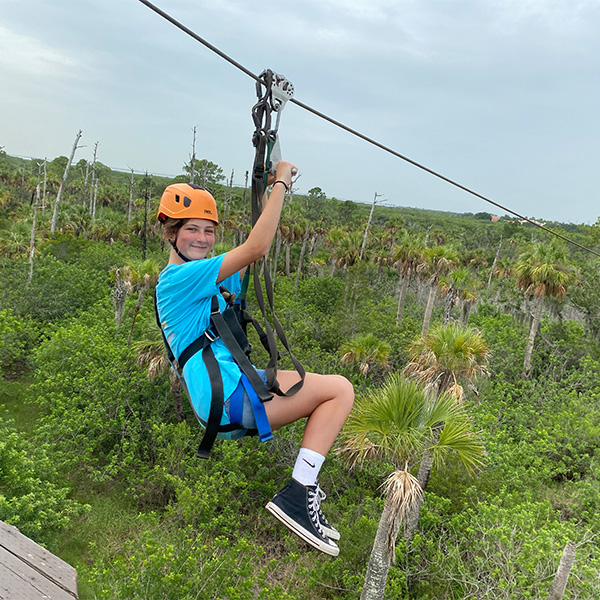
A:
[34, 223]
[95, 199]
[86, 183]
[137, 309]
[301, 259]
[402, 298]
[414, 514]
[466, 311]
[244, 201]
[228, 194]
[288, 245]
[449, 304]
[63, 182]
[193, 159]
[130, 207]
[44, 192]
[122, 288]
[494, 263]
[535, 323]
[92, 204]
[429, 309]
[561, 578]
[364, 244]
[381, 557]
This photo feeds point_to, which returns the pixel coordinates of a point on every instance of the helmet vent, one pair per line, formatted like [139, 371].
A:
[186, 201]
[176, 197]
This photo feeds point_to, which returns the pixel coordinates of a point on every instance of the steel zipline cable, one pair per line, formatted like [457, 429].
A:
[362, 136]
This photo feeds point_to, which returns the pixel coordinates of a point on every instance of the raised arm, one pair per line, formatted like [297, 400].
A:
[262, 234]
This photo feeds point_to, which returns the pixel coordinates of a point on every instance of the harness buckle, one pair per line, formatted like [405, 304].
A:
[210, 335]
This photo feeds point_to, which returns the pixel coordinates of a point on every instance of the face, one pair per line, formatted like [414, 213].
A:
[196, 238]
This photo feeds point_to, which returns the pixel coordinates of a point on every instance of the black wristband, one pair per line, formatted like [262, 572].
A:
[285, 185]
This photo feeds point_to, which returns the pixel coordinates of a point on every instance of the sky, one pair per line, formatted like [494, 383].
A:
[501, 96]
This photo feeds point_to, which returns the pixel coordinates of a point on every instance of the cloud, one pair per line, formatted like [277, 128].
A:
[27, 55]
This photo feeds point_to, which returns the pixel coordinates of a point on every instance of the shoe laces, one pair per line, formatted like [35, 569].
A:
[321, 495]
[314, 507]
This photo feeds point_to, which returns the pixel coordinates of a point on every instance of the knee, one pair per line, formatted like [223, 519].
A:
[345, 392]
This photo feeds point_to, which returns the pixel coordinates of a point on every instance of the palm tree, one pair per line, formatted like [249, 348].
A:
[394, 424]
[142, 275]
[440, 260]
[542, 271]
[459, 284]
[349, 249]
[447, 356]
[151, 354]
[408, 255]
[332, 240]
[368, 351]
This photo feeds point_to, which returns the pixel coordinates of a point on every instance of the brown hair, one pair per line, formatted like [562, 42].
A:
[172, 226]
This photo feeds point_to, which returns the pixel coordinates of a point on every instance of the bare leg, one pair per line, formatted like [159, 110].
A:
[325, 399]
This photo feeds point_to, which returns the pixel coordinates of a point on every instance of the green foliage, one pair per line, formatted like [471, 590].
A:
[184, 563]
[17, 337]
[58, 289]
[30, 496]
[502, 549]
[166, 525]
[98, 402]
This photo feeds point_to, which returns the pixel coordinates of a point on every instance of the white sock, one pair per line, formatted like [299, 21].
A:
[307, 467]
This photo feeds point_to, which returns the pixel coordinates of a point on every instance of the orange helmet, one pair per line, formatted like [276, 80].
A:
[187, 201]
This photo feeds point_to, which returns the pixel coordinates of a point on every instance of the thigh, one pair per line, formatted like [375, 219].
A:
[316, 390]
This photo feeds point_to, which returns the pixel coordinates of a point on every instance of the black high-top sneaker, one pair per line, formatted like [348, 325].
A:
[328, 529]
[296, 506]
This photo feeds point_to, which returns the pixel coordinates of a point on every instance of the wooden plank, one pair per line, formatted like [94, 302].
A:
[33, 556]
[18, 581]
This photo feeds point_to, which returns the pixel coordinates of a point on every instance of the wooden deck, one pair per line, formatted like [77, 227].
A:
[29, 572]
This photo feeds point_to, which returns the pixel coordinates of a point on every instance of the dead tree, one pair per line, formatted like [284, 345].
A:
[130, 208]
[44, 190]
[34, 223]
[193, 158]
[228, 194]
[494, 263]
[92, 204]
[364, 244]
[561, 578]
[63, 182]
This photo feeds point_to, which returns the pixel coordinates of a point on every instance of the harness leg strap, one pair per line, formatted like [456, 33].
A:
[216, 403]
[258, 408]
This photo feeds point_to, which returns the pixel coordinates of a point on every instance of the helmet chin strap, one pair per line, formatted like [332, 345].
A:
[183, 257]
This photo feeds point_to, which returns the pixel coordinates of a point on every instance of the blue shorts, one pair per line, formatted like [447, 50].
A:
[248, 420]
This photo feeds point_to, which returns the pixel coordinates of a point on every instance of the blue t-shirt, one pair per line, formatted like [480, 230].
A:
[183, 297]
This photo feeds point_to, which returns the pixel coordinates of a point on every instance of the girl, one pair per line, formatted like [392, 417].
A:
[185, 290]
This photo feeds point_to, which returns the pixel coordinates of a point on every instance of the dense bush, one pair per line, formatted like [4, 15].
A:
[30, 496]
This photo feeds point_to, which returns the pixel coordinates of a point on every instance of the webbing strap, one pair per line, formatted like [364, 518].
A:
[238, 353]
[216, 403]
[264, 139]
[258, 408]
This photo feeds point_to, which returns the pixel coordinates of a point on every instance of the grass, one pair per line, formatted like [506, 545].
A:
[17, 407]
[99, 534]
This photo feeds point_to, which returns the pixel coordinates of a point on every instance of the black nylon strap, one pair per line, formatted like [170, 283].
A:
[216, 403]
[237, 352]
[196, 346]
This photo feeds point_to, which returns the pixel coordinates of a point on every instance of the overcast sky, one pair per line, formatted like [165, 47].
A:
[502, 96]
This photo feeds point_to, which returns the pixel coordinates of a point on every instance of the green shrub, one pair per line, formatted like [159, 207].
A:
[30, 497]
